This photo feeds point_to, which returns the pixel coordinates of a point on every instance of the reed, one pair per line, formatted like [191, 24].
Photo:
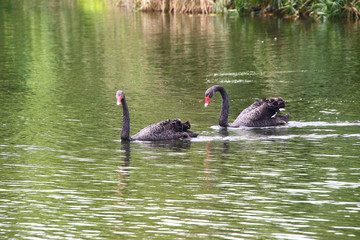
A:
[316, 9]
[178, 6]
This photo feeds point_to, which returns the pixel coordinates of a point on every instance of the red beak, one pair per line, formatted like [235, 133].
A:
[207, 100]
[118, 102]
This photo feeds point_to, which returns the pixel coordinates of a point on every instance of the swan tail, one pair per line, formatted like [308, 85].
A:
[275, 104]
[178, 126]
[282, 119]
[192, 134]
[183, 128]
[262, 113]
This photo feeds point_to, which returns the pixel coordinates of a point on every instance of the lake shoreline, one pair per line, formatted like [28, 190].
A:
[301, 9]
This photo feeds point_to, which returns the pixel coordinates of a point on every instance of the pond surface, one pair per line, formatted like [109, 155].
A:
[65, 174]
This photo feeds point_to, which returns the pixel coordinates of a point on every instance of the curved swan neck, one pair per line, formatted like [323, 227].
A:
[224, 113]
[125, 132]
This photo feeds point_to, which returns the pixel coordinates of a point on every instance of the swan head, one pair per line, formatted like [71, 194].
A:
[208, 94]
[119, 96]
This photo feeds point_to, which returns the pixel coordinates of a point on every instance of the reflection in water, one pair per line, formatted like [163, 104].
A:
[241, 133]
[321, 130]
[254, 132]
[223, 132]
[322, 124]
[123, 170]
[173, 145]
[60, 64]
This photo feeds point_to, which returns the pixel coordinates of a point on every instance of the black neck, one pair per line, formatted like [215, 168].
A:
[125, 132]
[224, 114]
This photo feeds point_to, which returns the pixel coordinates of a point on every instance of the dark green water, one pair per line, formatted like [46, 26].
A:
[64, 173]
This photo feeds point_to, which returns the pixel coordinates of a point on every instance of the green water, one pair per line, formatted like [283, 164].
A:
[64, 173]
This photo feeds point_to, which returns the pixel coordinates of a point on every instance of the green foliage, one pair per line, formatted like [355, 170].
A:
[246, 5]
[325, 9]
[317, 9]
[221, 6]
[290, 7]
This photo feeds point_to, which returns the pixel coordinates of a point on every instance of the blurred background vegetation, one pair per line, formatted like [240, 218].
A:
[321, 10]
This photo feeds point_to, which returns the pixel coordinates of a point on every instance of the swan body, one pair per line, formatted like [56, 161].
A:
[261, 113]
[165, 130]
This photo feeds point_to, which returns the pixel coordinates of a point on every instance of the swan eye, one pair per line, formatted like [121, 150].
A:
[207, 100]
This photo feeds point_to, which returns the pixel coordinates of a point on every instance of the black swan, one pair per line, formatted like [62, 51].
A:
[261, 113]
[165, 130]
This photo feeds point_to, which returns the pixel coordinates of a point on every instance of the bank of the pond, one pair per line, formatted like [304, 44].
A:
[316, 9]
